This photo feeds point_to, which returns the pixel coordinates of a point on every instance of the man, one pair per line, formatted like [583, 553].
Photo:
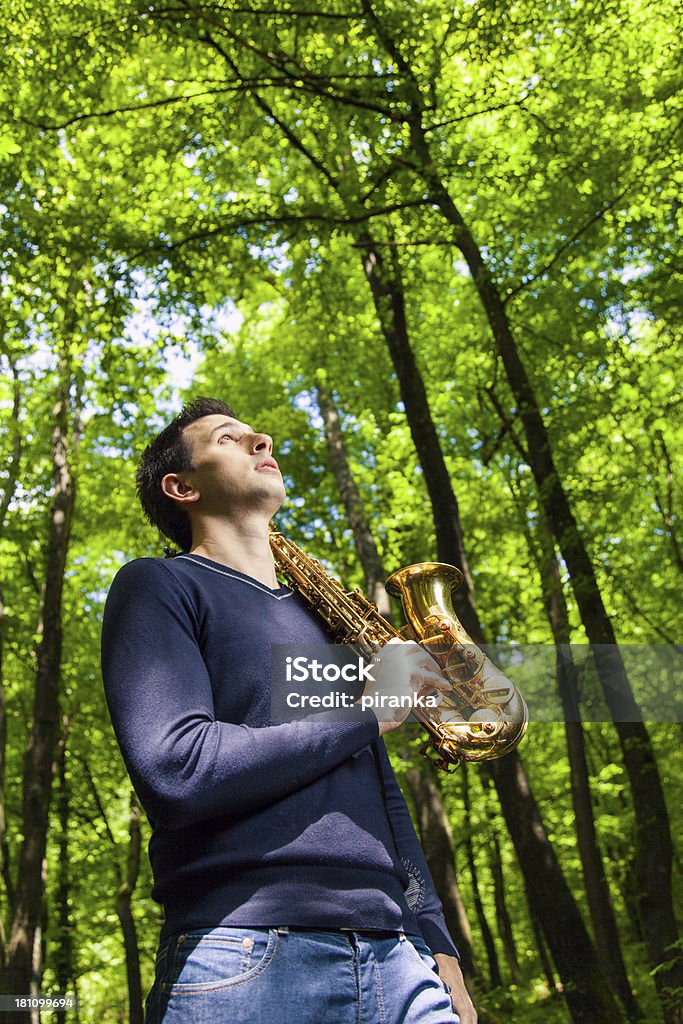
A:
[281, 853]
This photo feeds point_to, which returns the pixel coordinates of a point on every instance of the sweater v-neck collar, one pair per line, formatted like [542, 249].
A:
[225, 570]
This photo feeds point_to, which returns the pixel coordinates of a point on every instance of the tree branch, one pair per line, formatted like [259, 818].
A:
[507, 421]
[476, 113]
[153, 104]
[385, 174]
[375, 244]
[274, 219]
[298, 74]
[646, 618]
[593, 219]
[269, 112]
[387, 42]
[98, 802]
[271, 12]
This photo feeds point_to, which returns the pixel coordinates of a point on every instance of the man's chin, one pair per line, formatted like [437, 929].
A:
[276, 495]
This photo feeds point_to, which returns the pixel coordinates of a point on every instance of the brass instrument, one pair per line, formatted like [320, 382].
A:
[483, 716]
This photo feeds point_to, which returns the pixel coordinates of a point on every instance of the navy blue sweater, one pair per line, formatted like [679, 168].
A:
[253, 824]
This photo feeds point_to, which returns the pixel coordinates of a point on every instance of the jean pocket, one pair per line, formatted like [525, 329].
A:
[423, 951]
[219, 958]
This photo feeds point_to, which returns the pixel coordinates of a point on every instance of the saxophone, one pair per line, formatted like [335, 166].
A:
[483, 716]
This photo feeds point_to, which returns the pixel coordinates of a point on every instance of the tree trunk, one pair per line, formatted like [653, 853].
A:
[588, 999]
[653, 834]
[38, 759]
[489, 944]
[576, 961]
[618, 851]
[12, 469]
[38, 956]
[503, 919]
[546, 962]
[125, 914]
[384, 278]
[63, 960]
[600, 904]
[597, 890]
[353, 504]
[437, 840]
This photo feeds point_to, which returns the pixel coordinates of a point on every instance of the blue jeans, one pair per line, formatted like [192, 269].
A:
[261, 975]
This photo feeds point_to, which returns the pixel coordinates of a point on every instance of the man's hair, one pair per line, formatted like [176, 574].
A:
[170, 452]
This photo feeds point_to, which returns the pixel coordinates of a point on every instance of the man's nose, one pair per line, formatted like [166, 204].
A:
[261, 442]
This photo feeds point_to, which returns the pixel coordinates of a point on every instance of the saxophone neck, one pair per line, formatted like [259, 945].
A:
[349, 614]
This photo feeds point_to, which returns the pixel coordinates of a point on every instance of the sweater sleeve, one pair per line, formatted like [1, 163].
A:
[428, 908]
[185, 765]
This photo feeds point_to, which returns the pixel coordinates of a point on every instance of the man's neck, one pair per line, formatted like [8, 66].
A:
[243, 545]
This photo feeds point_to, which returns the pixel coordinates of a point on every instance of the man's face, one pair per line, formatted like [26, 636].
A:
[233, 467]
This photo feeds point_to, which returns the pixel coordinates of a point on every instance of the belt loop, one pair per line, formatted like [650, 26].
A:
[282, 930]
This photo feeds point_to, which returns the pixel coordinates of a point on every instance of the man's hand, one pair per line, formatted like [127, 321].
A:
[451, 975]
[404, 673]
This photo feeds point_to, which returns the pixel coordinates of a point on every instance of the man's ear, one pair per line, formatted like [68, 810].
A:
[179, 490]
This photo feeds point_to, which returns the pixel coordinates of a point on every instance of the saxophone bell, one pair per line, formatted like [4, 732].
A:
[484, 716]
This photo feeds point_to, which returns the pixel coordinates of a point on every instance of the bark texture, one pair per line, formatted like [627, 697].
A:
[603, 919]
[125, 914]
[353, 503]
[12, 469]
[63, 957]
[437, 840]
[39, 755]
[487, 935]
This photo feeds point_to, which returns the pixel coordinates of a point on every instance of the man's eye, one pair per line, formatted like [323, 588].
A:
[225, 437]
